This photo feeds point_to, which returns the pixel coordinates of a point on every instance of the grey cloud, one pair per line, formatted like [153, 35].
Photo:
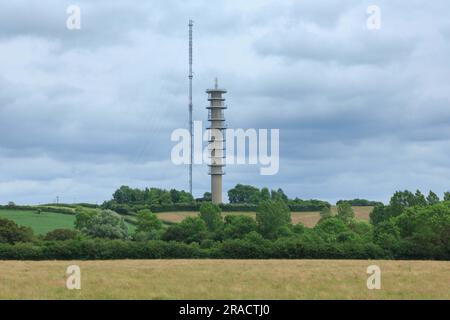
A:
[360, 114]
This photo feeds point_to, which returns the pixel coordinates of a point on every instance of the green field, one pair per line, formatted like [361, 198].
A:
[44, 222]
[225, 279]
[40, 223]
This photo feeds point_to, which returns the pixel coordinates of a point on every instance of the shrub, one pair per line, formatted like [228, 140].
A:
[237, 226]
[147, 221]
[211, 214]
[329, 229]
[11, 232]
[83, 217]
[61, 235]
[271, 216]
[189, 230]
[106, 224]
[345, 212]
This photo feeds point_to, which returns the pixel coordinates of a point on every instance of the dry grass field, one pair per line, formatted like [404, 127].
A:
[309, 219]
[225, 279]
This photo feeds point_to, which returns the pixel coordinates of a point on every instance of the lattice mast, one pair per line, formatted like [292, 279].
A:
[191, 75]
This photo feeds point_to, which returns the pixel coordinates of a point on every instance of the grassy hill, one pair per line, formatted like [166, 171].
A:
[40, 223]
[45, 221]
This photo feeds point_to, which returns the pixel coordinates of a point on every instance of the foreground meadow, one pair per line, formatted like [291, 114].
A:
[225, 279]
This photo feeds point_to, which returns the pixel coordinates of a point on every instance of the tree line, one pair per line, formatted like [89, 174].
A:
[129, 201]
[411, 226]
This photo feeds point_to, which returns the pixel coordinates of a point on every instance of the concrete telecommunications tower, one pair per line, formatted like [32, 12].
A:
[216, 139]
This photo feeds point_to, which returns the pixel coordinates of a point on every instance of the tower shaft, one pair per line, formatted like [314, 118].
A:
[216, 131]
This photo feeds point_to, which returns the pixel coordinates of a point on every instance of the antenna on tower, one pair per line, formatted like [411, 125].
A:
[191, 24]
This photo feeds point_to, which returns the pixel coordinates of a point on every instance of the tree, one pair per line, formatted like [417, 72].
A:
[325, 213]
[386, 234]
[11, 232]
[419, 199]
[106, 224]
[191, 229]
[237, 226]
[379, 214]
[345, 212]
[244, 194]
[426, 229]
[125, 195]
[211, 214]
[279, 195]
[165, 198]
[207, 196]
[271, 216]
[147, 221]
[432, 198]
[447, 196]
[329, 229]
[83, 217]
[265, 194]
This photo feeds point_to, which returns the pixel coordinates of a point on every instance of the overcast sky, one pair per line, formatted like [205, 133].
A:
[361, 112]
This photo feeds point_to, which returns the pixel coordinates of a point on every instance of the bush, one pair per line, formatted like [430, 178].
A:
[345, 212]
[11, 232]
[237, 226]
[147, 221]
[61, 235]
[271, 216]
[189, 230]
[105, 224]
[328, 229]
[211, 214]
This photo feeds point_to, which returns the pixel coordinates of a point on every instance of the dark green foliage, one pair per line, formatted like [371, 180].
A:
[189, 230]
[345, 212]
[11, 232]
[211, 214]
[207, 196]
[432, 198]
[447, 196]
[265, 194]
[271, 216]
[147, 221]
[329, 229]
[149, 197]
[278, 195]
[404, 199]
[83, 217]
[325, 213]
[237, 226]
[61, 235]
[244, 194]
[360, 203]
[386, 234]
[410, 227]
